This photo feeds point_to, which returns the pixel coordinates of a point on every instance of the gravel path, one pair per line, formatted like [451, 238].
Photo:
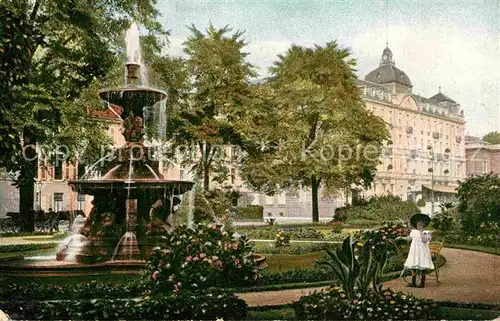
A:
[467, 276]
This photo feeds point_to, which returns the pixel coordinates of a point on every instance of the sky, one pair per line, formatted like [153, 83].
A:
[454, 44]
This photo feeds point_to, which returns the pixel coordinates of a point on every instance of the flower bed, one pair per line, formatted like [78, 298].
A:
[333, 304]
[200, 258]
[210, 304]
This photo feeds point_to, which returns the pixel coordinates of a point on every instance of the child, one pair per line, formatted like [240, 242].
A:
[419, 258]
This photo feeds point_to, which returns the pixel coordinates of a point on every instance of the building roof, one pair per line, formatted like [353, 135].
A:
[113, 112]
[387, 72]
[440, 97]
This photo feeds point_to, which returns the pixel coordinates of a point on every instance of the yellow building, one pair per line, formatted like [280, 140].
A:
[427, 144]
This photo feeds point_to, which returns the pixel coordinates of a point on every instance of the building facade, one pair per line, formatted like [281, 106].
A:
[51, 188]
[482, 157]
[426, 150]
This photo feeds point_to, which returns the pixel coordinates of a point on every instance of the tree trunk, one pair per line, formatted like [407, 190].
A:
[315, 209]
[27, 180]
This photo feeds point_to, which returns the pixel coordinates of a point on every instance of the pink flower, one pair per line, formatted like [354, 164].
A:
[342, 295]
[171, 278]
[219, 264]
[355, 301]
[155, 275]
[236, 261]
[235, 246]
[202, 255]
[179, 284]
[195, 259]
[188, 258]
[213, 227]
[188, 246]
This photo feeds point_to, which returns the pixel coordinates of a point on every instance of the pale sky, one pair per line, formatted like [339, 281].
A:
[454, 44]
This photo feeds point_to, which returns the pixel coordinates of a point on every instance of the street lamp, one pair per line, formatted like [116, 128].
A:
[431, 151]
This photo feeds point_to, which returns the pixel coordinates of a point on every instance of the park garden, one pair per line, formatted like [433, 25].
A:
[290, 132]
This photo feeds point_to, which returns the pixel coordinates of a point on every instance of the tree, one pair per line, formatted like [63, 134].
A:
[492, 138]
[479, 206]
[315, 131]
[58, 48]
[217, 91]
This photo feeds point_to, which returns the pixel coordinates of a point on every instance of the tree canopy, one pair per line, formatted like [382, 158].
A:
[52, 51]
[216, 90]
[492, 138]
[312, 126]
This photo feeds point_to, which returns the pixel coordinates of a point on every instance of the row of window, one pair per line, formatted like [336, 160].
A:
[58, 201]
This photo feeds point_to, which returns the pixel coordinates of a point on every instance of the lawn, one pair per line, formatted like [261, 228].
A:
[287, 262]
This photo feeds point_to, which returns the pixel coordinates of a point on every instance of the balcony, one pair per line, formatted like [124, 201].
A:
[458, 139]
[388, 151]
[413, 153]
[439, 157]
[436, 135]
[409, 129]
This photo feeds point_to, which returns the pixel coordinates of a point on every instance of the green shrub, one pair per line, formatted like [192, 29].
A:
[334, 304]
[255, 212]
[381, 209]
[74, 291]
[296, 276]
[208, 304]
[282, 238]
[337, 227]
[200, 258]
[421, 203]
[479, 205]
[26, 247]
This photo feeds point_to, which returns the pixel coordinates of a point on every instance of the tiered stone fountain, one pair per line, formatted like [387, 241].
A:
[122, 225]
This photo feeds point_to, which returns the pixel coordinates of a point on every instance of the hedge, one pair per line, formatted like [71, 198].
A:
[26, 247]
[254, 212]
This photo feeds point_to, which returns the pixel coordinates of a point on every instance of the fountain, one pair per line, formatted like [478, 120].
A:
[122, 225]
[133, 204]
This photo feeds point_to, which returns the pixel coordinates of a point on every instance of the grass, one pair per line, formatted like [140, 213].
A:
[478, 248]
[288, 262]
[65, 280]
[8, 255]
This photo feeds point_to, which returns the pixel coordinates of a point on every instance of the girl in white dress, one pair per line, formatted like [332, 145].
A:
[419, 258]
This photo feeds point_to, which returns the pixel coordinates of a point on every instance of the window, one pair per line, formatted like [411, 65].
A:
[58, 168]
[58, 202]
[181, 174]
[269, 214]
[81, 170]
[269, 200]
[80, 202]
[281, 214]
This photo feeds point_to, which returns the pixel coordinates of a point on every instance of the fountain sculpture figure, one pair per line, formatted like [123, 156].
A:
[121, 226]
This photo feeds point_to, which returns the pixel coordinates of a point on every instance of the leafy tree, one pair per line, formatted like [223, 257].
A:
[492, 138]
[313, 129]
[479, 205]
[217, 90]
[57, 48]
